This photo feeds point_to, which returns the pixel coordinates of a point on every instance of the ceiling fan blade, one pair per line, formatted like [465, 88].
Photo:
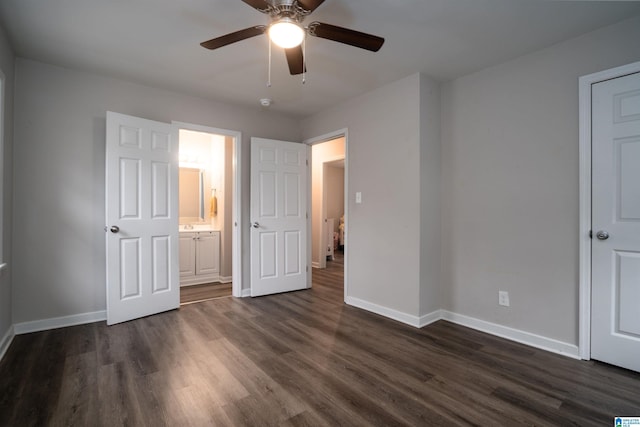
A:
[295, 59]
[346, 36]
[234, 37]
[309, 5]
[260, 5]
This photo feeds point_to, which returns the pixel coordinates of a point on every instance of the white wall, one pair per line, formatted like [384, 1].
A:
[430, 197]
[383, 246]
[334, 190]
[510, 183]
[59, 258]
[227, 228]
[7, 67]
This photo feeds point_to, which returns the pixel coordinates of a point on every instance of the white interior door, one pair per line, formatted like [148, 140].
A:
[278, 216]
[615, 296]
[141, 217]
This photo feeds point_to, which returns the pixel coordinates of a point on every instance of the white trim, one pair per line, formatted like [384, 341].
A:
[315, 264]
[405, 318]
[427, 319]
[327, 137]
[584, 93]
[226, 279]
[246, 293]
[523, 337]
[6, 341]
[236, 215]
[59, 322]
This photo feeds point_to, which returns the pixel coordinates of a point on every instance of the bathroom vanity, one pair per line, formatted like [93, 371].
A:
[199, 255]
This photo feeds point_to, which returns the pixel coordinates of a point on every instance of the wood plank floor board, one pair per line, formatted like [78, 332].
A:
[204, 292]
[298, 359]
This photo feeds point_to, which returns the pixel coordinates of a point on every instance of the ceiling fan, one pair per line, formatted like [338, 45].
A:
[286, 30]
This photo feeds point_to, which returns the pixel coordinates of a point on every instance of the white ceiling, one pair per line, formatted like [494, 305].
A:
[156, 42]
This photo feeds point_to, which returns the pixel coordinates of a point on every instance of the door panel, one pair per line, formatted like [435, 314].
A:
[615, 321]
[279, 216]
[142, 218]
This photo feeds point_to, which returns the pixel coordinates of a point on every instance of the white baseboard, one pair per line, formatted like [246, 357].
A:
[246, 293]
[523, 337]
[6, 341]
[408, 319]
[427, 319]
[315, 264]
[226, 279]
[59, 322]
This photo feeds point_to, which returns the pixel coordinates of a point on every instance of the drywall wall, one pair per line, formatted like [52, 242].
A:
[6, 127]
[430, 197]
[334, 181]
[510, 183]
[383, 245]
[227, 228]
[320, 153]
[59, 259]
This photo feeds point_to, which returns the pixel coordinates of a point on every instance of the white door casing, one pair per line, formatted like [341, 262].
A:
[141, 217]
[615, 288]
[279, 218]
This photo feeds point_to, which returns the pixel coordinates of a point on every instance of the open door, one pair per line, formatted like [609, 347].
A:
[615, 253]
[279, 218]
[141, 218]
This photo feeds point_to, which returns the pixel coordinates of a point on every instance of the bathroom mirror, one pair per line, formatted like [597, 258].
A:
[191, 190]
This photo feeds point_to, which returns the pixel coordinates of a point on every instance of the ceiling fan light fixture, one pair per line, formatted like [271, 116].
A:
[286, 33]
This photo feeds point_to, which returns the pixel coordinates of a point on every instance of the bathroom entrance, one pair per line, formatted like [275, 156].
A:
[328, 205]
[206, 200]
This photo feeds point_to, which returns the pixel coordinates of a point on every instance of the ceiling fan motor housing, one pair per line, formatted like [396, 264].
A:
[287, 9]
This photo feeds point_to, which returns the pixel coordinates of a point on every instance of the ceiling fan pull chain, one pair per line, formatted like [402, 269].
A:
[269, 75]
[304, 60]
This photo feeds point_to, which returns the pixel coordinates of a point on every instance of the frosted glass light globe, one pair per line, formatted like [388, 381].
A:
[286, 33]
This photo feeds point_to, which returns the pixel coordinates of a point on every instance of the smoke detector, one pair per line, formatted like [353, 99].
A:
[266, 102]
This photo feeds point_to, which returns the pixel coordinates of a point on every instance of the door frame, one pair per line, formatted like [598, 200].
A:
[318, 140]
[584, 96]
[236, 214]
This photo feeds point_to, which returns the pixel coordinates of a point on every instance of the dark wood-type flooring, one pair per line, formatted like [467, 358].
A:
[298, 359]
[199, 293]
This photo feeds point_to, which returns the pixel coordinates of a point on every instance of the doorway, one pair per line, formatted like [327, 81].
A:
[208, 199]
[328, 209]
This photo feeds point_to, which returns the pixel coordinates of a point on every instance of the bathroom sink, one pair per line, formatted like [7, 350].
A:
[196, 227]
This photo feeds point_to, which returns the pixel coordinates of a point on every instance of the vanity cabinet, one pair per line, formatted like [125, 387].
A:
[199, 257]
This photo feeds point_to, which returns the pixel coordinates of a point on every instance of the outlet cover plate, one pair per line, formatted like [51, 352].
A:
[503, 298]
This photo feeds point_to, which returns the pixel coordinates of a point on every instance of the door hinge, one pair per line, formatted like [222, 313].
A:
[307, 215]
[307, 161]
[590, 234]
[307, 268]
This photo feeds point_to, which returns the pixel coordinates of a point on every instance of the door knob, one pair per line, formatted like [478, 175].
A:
[602, 235]
[114, 229]
[255, 225]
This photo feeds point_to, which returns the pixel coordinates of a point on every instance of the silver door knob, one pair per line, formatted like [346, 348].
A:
[602, 235]
[114, 229]
[255, 225]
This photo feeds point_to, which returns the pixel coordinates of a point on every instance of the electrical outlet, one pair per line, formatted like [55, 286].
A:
[503, 298]
[358, 197]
